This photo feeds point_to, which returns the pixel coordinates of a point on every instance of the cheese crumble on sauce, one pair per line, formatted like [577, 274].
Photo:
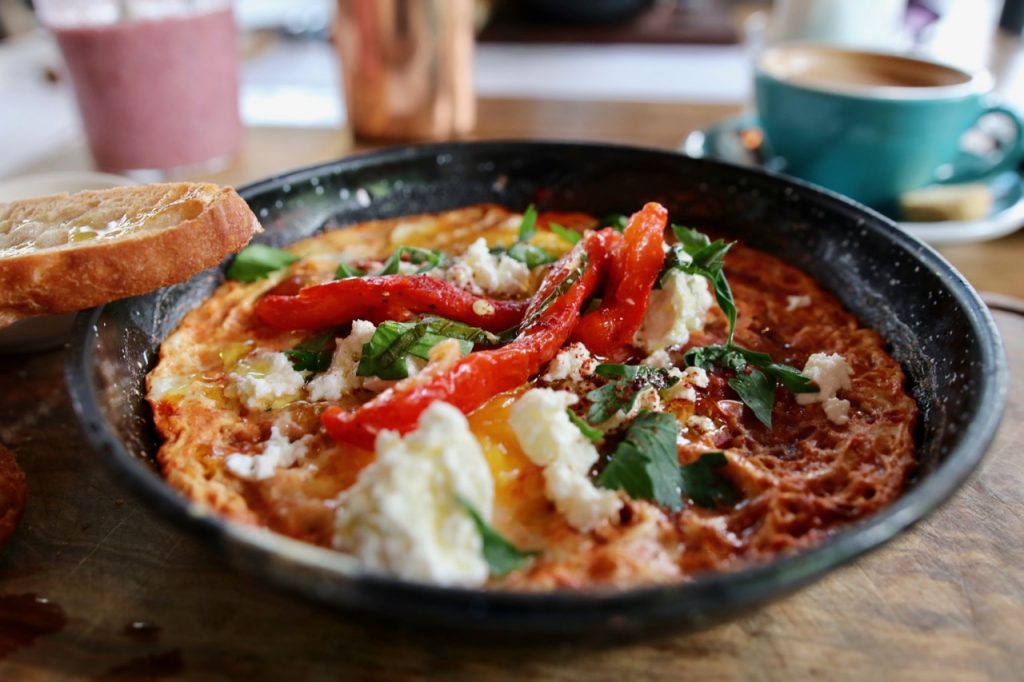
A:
[679, 451]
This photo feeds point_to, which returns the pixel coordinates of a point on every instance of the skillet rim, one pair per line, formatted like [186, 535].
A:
[705, 599]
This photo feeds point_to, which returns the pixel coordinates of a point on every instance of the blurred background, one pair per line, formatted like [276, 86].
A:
[689, 52]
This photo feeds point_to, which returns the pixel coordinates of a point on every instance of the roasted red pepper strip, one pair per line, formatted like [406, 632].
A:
[479, 376]
[635, 265]
[392, 297]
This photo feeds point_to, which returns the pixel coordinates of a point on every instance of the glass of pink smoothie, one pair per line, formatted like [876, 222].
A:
[156, 80]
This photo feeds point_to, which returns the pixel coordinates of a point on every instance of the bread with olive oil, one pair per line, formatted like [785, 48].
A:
[67, 252]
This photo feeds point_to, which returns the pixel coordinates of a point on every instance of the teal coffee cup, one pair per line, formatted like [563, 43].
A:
[874, 126]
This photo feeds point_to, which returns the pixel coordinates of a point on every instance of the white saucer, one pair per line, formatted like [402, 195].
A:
[47, 331]
[722, 141]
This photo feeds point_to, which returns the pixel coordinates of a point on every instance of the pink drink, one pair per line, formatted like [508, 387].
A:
[156, 94]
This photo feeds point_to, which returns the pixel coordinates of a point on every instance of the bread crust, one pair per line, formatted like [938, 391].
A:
[79, 276]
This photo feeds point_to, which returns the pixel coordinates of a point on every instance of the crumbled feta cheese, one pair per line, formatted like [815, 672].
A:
[482, 307]
[696, 376]
[699, 423]
[402, 516]
[681, 390]
[573, 363]
[832, 374]
[265, 380]
[674, 311]
[658, 359]
[277, 453]
[482, 272]
[688, 379]
[340, 378]
[794, 302]
[551, 440]
[836, 410]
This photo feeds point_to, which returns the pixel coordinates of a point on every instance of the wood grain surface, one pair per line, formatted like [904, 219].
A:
[943, 602]
[93, 586]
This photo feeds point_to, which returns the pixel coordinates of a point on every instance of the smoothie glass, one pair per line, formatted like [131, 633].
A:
[156, 81]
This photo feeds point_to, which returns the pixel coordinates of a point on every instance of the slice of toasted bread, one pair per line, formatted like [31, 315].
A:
[73, 251]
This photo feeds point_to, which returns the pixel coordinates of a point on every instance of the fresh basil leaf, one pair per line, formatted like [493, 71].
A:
[646, 463]
[607, 400]
[723, 295]
[313, 355]
[501, 555]
[711, 258]
[617, 221]
[588, 431]
[345, 271]
[609, 370]
[565, 234]
[440, 329]
[385, 354]
[690, 239]
[528, 254]
[256, 261]
[426, 258]
[528, 225]
[705, 357]
[792, 379]
[657, 377]
[756, 358]
[702, 482]
[757, 391]
[726, 357]
[621, 394]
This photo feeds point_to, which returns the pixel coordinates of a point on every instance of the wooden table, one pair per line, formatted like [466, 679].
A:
[133, 598]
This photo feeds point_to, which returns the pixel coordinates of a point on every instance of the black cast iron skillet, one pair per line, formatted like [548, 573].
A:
[935, 324]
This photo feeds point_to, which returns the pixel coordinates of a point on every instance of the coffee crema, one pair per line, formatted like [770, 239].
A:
[819, 67]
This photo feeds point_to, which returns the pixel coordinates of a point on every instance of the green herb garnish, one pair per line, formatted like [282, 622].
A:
[621, 394]
[757, 391]
[501, 555]
[257, 261]
[592, 434]
[756, 387]
[696, 254]
[426, 258]
[312, 355]
[528, 225]
[646, 463]
[529, 255]
[565, 234]
[345, 271]
[702, 482]
[393, 342]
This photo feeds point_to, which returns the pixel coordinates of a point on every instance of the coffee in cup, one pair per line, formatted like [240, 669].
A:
[874, 125]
